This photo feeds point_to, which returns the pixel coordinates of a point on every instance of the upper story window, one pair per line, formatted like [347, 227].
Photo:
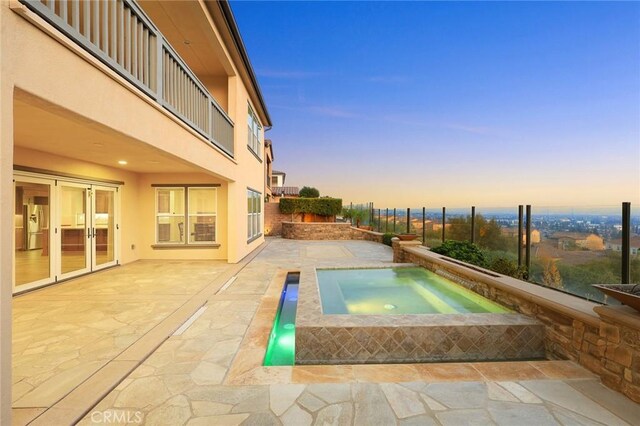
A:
[254, 129]
[186, 215]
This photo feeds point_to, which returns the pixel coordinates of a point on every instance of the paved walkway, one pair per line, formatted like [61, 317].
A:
[212, 374]
[207, 376]
[63, 334]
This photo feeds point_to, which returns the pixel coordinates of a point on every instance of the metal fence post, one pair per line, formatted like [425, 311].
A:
[626, 243]
[528, 240]
[444, 218]
[394, 219]
[408, 220]
[473, 224]
[424, 227]
[520, 217]
[386, 221]
[351, 211]
[379, 224]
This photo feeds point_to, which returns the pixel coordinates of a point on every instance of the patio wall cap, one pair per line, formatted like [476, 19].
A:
[567, 304]
[316, 223]
[620, 314]
[366, 231]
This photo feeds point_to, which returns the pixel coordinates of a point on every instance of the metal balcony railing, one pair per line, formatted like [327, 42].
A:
[119, 33]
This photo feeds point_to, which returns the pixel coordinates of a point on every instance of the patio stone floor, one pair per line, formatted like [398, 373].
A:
[63, 334]
[212, 372]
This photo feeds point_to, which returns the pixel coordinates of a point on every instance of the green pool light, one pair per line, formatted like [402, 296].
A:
[281, 349]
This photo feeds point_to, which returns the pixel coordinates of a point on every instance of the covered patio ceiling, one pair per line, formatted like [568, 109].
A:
[42, 126]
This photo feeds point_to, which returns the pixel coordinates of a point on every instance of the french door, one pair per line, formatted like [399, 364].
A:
[74, 229]
[62, 229]
[104, 227]
[88, 228]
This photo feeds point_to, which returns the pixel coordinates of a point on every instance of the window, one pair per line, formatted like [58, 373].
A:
[253, 132]
[254, 216]
[186, 215]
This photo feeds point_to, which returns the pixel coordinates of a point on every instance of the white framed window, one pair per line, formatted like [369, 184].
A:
[186, 215]
[254, 215]
[254, 130]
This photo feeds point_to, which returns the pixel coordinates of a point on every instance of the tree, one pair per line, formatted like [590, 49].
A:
[551, 275]
[488, 232]
[309, 192]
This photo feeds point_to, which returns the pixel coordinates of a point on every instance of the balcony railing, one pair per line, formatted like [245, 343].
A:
[118, 33]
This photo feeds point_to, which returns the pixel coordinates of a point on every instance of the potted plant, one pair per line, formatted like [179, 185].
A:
[406, 237]
[627, 294]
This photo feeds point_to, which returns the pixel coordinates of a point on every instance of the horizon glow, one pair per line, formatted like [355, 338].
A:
[455, 104]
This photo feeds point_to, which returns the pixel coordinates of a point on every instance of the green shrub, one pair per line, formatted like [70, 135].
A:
[386, 238]
[321, 206]
[309, 192]
[462, 250]
[505, 266]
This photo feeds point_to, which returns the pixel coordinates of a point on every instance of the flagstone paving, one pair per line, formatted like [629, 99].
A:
[64, 333]
[211, 374]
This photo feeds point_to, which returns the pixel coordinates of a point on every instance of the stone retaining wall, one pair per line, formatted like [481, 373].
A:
[273, 219]
[327, 231]
[603, 339]
[363, 234]
[316, 230]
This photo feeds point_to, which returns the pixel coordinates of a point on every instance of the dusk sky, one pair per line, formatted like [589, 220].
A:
[422, 103]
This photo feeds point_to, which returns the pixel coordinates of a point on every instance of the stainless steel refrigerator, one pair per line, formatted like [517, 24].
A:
[34, 223]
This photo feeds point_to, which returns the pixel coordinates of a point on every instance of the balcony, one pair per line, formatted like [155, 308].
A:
[120, 34]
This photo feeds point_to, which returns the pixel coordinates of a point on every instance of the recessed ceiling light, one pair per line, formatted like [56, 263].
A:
[187, 42]
[122, 162]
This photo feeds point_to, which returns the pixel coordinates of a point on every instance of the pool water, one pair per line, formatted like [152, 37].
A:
[397, 291]
[282, 341]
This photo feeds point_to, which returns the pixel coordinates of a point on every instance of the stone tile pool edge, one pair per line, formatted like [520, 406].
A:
[372, 339]
[247, 369]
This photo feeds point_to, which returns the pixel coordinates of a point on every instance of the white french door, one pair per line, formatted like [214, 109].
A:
[63, 229]
[104, 227]
[74, 229]
[88, 228]
[34, 248]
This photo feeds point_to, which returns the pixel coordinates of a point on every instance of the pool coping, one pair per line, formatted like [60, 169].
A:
[310, 309]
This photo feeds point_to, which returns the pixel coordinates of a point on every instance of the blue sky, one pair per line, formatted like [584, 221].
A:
[412, 103]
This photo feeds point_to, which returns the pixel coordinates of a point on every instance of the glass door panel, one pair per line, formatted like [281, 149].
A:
[31, 222]
[104, 226]
[74, 230]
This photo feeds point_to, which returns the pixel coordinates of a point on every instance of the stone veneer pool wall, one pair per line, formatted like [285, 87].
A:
[604, 339]
[363, 339]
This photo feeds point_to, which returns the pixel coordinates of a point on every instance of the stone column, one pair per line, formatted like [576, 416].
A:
[620, 328]
[398, 249]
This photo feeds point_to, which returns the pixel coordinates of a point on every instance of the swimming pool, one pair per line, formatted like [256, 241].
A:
[403, 313]
[397, 291]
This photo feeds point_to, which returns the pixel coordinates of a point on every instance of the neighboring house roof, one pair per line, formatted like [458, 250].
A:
[276, 172]
[280, 191]
[571, 235]
[634, 241]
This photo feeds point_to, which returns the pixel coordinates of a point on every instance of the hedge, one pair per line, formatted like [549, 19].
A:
[321, 206]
